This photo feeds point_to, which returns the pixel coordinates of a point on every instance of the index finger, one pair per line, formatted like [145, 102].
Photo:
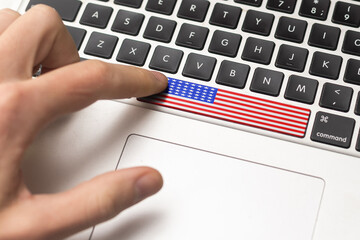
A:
[76, 86]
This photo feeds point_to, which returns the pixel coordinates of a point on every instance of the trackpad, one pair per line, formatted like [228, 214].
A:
[210, 196]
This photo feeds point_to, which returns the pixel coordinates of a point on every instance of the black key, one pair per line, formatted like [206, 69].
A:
[96, 15]
[67, 9]
[133, 52]
[336, 97]
[301, 89]
[256, 3]
[129, 3]
[166, 59]
[291, 29]
[357, 105]
[161, 6]
[258, 22]
[333, 129]
[347, 14]
[225, 16]
[352, 72]
[199, 67]
[233, 74]
[101, 45]
[286, 6]
[317, 9]
[77, 34]
[325, 65]
[267, 82]
[192, 36]
[292, 58]
[193, 9]
[257, 50]
[324, 36]
[160, 29]
[352, 43]
[357, 146]
[225, 43]
[128, 22]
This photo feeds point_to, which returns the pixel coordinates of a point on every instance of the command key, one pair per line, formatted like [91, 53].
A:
[333, 129]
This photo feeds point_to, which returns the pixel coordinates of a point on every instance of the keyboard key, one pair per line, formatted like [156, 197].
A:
[192, 36]
[161, 6]
[301, 89]
[352, 72]
[166, 59]
[96, 15]
[347, 14]
[225, 43]
[129, 3]
[225, 16]
[336, 97]
[257, 50]
[128, 22]
[256, 3]
[199, 67]
[101, 45]
[67, 9]
[291, 29]
[352, 43]
[286, 6]
[160, 29]
[357, 146]
[258, 22]
[325, 65]
[324, 36]
[233, 74]
[292, 58]
[333, 129]
[357, 105]
[267, 82]
[317, 9]
[77, 34]
[193, 9]
[133, 52]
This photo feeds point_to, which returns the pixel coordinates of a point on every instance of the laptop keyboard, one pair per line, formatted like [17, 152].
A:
[289, 69]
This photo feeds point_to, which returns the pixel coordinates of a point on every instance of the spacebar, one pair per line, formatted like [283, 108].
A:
[233, 107]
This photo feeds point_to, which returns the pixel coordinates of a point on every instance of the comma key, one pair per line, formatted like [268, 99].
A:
[333, 129]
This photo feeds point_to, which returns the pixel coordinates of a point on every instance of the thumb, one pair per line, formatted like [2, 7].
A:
[59, 215]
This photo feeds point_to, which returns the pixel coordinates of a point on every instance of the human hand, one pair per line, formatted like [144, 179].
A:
[26, 105]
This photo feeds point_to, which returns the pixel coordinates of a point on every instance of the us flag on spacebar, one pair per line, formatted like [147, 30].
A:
[233, 107]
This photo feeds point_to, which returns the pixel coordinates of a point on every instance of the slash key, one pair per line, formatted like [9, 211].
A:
[333, 129]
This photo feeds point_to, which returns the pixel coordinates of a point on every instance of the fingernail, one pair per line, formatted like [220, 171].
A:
[148, 185]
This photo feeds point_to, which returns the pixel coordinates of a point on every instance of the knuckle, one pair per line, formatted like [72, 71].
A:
[9, 11]
[12, 97]
[106, 206]
[99, 71]
[47, 15]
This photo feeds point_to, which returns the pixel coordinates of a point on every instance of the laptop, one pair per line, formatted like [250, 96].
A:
[256, 136]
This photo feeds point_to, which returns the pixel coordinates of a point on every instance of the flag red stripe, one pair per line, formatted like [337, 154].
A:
[262, 104]
[228, 115]
[213, 106]
[256, 112]
[264, 100]
[229, 120]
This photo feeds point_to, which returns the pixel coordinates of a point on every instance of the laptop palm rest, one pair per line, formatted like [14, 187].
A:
[210, 196]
